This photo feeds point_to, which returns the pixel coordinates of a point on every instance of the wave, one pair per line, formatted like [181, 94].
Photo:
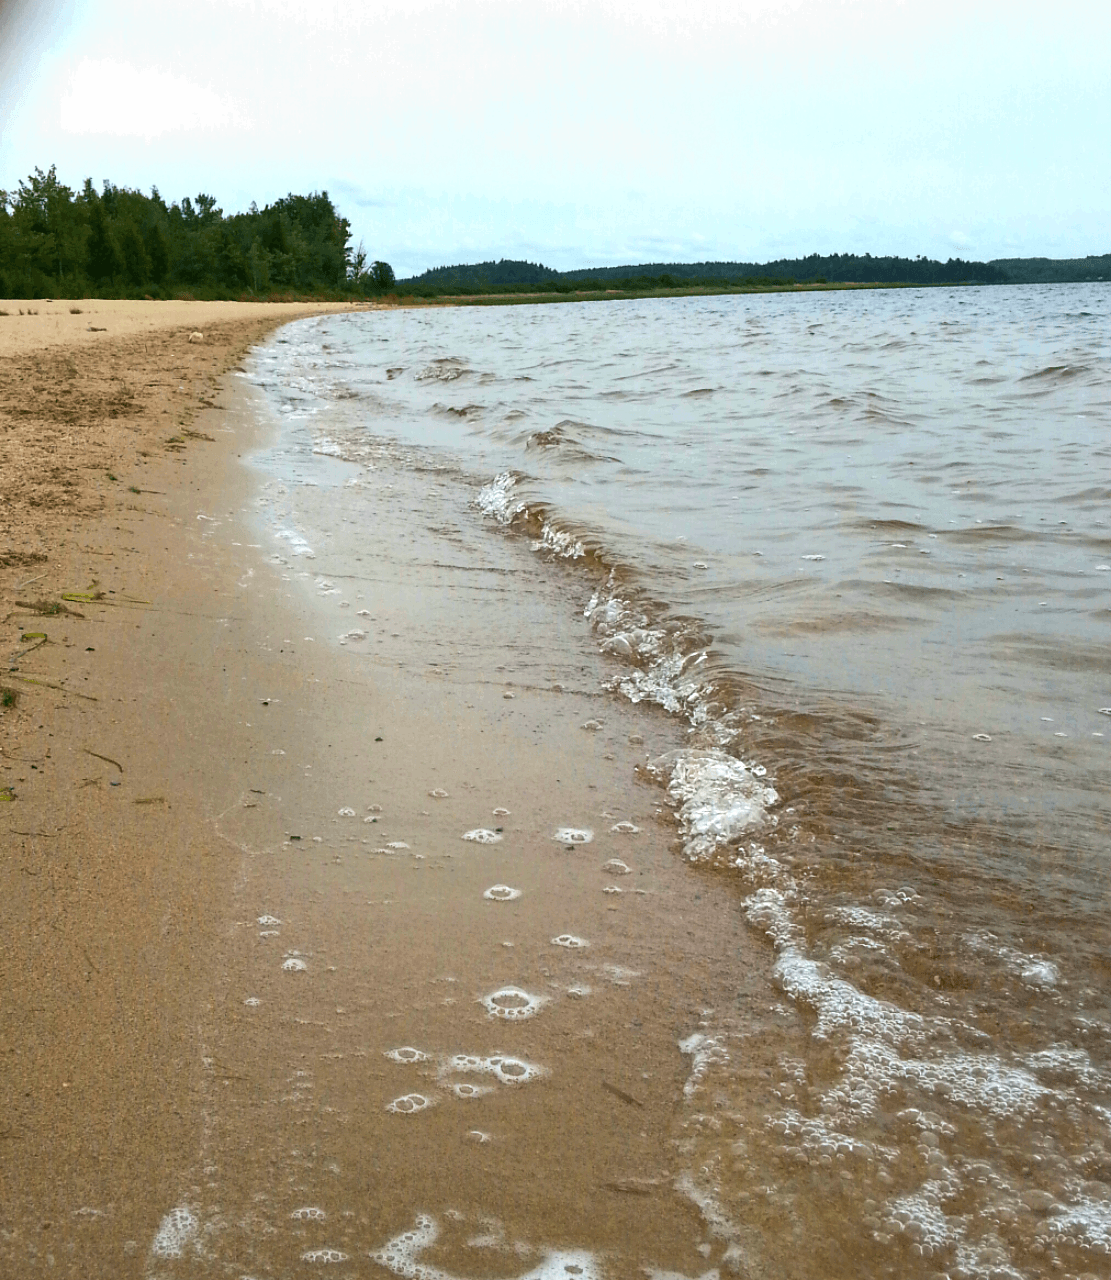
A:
[871, 1127]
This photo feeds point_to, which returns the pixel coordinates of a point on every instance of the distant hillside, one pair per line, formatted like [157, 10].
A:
[486, 273]
[833, 268]
[1054, 270]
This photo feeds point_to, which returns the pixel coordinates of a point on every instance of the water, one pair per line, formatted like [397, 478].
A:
[859, 544]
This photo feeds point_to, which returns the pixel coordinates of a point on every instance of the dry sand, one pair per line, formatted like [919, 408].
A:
[176, 765]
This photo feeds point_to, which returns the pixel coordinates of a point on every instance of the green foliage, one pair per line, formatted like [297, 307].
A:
[119, 242]
[507, 277]
[381, 273]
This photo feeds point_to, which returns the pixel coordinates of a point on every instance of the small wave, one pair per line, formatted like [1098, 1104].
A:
[1055, 372]
[446, 369]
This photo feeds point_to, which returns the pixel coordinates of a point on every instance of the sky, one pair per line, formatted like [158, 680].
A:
[588, 132]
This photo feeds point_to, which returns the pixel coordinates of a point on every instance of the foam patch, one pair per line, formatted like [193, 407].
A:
[625, 829]
[409, 1104]
[294, 964]
[462, 1089]
[512, 1004]
[322, 1257]
[574, 835]
[480, 835]
[401, 1255]
[615, 867]
[506, 1069]
[501, 893]
[175, 1231]
[406, 1054]
[569, 940]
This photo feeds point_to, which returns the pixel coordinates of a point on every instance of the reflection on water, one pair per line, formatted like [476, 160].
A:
[861, 545]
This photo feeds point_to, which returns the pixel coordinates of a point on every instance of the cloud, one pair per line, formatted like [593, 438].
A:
[109, 97]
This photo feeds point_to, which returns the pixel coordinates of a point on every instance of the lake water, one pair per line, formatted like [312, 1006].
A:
[859, 545]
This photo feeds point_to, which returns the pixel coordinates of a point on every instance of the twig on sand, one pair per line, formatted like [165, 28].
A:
[106, 759]
[61, 688]
[620, 1093]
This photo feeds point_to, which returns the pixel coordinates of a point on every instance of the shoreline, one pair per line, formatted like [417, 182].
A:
[178, 1088]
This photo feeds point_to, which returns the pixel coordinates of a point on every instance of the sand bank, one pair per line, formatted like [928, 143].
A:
[236, 880]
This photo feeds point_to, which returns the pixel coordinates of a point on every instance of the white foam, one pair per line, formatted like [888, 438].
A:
[267, 921]
[498, 498]
[401, 1255]
[705, 1052]
[508, 1070]
[591, 726]
[501, 813]
[615, 867]
[882, 1036]
[346, 812]
[574, 835]
[322, 1257]
[463, 1089]
[298, 546]
[569, 940]
[438, 793]
[1037, 971]
[294, 964]
[409, 1104]
[310, 1213]
[480, 835]
[175, 1231]
[717, 1220]
[501, 893]
[512, 1004]
[396, 844]
[718, 798]
[625, 829]
[406, 1054]
[1088, 1218]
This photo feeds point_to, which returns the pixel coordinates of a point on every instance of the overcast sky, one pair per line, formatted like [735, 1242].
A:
[592, 132]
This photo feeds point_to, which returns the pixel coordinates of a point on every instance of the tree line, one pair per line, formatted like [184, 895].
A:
[119, 242]
[511, 276]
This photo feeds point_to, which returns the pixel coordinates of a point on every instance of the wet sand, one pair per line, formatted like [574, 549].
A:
[209, 962]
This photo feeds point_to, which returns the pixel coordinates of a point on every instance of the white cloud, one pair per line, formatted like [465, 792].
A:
[109, 97]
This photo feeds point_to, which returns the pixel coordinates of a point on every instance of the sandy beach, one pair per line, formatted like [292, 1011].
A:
[113, 880]
[259, 1007]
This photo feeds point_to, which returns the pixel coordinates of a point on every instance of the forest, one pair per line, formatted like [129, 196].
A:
[508, 276]
[118, 242]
